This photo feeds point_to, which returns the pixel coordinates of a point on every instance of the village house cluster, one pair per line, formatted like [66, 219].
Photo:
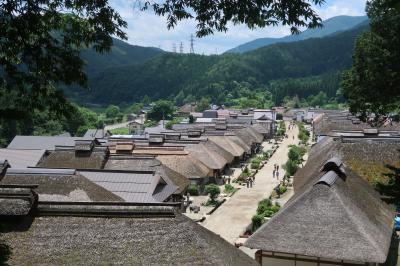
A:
[104, 198]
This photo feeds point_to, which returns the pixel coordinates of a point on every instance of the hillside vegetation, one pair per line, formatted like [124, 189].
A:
[300, 68]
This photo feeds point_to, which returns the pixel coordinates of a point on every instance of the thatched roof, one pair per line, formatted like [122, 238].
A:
[125, 240]
[366, 157]
[42, 142]
[336, 215]
[62, 185]
[94, 159]
[228, 157]
[227, 144]
[16, 200]
[240, 142]
[187, 166]
[208, 157]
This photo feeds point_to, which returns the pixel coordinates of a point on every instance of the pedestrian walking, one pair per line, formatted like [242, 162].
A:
[277, 175]
[273, 173]
[247, 182]
[277, 168]
[251, 182]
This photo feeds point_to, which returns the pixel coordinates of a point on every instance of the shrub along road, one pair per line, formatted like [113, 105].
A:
[231, 219]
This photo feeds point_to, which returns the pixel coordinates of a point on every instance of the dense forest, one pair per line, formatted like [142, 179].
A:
[298, 69]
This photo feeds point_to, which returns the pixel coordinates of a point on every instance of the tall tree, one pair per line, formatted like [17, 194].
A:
[372, 85]
[40, 44]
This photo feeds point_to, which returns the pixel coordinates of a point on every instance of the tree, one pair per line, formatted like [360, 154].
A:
[179, 98]
[112, 111]
[213, 190]
[162, 109]
[214, 15]
[40, 44]
[372, 85]
[204, 104]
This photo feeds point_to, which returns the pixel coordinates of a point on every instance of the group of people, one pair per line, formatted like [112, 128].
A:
[275, 173]
[291, 125]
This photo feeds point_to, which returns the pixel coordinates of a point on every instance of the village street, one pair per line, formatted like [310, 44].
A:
[231, 219]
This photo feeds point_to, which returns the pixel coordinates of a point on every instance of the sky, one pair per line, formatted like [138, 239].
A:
[147, 29]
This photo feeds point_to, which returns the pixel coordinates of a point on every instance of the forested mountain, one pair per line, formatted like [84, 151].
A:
[332, 25]
[121, 54]
[300, 68]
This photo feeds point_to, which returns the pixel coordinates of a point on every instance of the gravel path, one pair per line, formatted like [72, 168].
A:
[231, 219]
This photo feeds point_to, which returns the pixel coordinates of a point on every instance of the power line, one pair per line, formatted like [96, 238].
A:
[181, 48]
[174, 48]
[191, 44]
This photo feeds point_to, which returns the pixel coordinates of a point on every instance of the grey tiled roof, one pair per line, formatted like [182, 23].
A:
[41, 142]
[132, 186]
[21, 158]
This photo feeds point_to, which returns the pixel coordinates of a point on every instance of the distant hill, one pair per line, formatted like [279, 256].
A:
[121, 54]
[332, 25]
[219, 77]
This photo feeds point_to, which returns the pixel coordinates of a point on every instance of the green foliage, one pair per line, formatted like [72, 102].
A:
[193, 190]
[260, 78]
[304, 134]
[172, 122]
[228, 188]
[263, 206]
[372, 85]
[113, 112]
[135, 108]
[49, 37]
[290, 167]
[282, 189]
[150, 123]
[204, 104]
[120, 131]
[281, 128]
[162, 109]
[256, 222]
[213, 190]
[295, 157]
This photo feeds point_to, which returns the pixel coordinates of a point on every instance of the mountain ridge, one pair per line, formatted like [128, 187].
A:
[331, 26]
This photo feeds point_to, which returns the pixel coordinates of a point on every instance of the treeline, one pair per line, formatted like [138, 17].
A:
[299, 69]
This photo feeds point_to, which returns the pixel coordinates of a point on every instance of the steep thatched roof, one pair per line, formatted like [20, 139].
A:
[187, 166]
[228, 157]
[246, 147]
[208, 157]
[336, 215]
[69, 240]
[366, 157]
[94, 159]
[227, 144]
[68, 186]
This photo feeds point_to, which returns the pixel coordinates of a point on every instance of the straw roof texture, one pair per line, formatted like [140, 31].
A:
[343, 220]
[229, 157]
[75, 160]
[367, 158]
[246, 147]
[226, 143]
[62, 187]
[187, 166]
[207, 156]
[70, 240]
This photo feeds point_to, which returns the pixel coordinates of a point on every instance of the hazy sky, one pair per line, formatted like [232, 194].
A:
[147, 29]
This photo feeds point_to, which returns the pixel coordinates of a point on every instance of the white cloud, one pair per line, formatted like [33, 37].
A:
[147, 29]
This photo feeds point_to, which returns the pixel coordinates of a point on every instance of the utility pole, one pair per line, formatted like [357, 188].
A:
[181, 48]
[191, 44]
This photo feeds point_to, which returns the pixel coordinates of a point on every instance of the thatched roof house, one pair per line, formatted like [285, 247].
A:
[59, 184]
[42, 142]
[187, 166]
[367, 157]
[115, 234]
[16, 201]
[226, 143]
[336, 217]
[208, 157]
[92, 158]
